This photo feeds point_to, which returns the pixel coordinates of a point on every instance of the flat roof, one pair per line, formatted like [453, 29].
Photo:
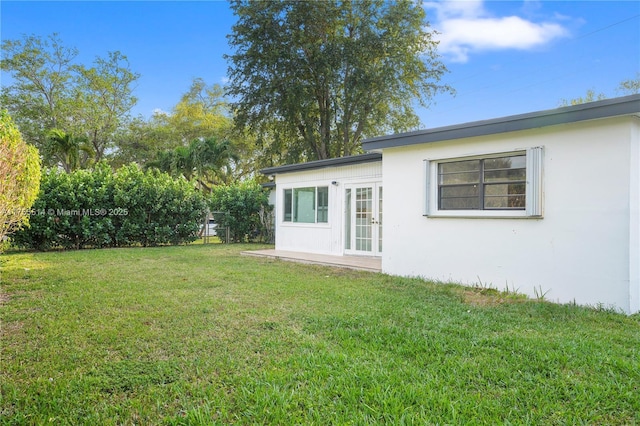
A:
[627, 105]
[319, 164]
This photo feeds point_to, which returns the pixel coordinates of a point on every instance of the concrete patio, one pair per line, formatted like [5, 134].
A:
[362, 263]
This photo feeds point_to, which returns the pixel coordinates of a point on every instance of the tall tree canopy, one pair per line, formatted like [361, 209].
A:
[201, 113]
[319, 76]
[51, 91]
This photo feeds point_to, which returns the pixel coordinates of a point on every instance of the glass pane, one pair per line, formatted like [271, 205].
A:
[514, 162]
[287, 205]
[459, 166]
[504, 175]
[459, 191]
[505, 189]
[347, 218]
[380, 220]
[462, 203]
[323, 204]
[304, 201]
[505, 196]
[516, 202]
[459, 172]
[363, 214]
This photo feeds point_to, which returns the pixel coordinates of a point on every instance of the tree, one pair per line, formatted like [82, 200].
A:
[321, 76]
[201, 113]
[591, 96]
[51, 91]
[626, 87]
[630, 86]
[105, 97]
[40, 97]
[204, 160]
[211, 160]
[19, 176]
[67, 151]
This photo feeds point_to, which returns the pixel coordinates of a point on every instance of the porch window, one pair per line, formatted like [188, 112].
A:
[306, 205]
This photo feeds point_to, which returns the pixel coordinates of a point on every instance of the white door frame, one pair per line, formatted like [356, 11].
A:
[363, 219]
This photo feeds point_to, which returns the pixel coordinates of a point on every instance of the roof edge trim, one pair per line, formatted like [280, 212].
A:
[588, 111]
[319, 164]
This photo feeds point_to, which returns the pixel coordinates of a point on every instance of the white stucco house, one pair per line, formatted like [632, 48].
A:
[541, 203]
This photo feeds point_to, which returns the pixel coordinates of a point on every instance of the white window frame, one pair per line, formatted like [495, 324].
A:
[533, 191]
[316, 211]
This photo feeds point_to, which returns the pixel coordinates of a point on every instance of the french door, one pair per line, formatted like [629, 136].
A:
[363, 219]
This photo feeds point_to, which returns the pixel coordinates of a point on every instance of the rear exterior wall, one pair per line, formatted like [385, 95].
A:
[585, 248]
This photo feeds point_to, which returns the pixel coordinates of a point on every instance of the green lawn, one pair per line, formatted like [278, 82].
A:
[202, 335]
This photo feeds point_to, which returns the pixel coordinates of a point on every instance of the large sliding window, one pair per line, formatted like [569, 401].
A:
[483, 184]
[494, 185]
[306, 205]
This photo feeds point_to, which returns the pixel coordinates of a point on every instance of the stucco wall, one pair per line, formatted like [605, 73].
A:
[323, 238]
[585, 247]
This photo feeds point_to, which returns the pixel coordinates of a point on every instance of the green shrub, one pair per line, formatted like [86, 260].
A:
[99, 208]
[245, 205]
[19, 177]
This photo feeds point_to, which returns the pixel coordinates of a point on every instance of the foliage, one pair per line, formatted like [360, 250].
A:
[321, 76]
[204, 160]
[104, 94]
[199, 335]
[625, 87]
[244, 205]
[630, 86]
[141, 139]
[19, 177]
[51, 91]
[99, 208]
[68, 151]
[202, 114]
[590, 96]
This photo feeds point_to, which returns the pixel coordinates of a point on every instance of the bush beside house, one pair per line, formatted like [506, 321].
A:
[246, 211]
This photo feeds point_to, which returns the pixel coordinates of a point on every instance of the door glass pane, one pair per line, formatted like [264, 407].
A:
[347, 218]
[380, 220]
[364, 214]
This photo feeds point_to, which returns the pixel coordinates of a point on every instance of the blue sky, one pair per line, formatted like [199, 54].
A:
[504, 57]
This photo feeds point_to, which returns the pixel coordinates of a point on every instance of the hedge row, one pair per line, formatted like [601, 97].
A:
[101, 208]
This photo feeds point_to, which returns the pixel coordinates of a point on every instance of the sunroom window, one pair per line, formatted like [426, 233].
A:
[306, 205]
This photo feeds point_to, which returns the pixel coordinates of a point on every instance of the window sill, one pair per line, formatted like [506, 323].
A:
[305, 225]
[482, 214]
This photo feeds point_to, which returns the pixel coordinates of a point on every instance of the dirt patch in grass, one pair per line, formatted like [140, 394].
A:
[477, 296]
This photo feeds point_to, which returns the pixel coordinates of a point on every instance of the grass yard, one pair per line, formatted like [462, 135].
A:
[200, 335]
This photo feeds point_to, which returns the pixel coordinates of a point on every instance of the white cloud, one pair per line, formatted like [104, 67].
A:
[159, 111]
[466, 27]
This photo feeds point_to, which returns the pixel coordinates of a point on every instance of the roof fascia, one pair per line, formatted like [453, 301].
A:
[589, 111]
[319, 164]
